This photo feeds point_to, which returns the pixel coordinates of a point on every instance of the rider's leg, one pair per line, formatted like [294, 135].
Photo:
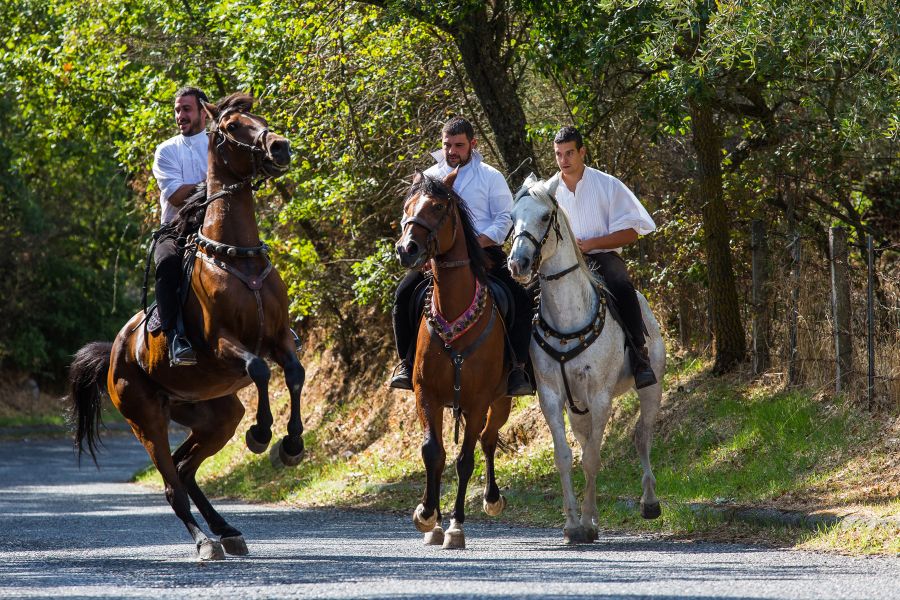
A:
[615, 273]
[404, 331]
[168, 277]
[518, 383]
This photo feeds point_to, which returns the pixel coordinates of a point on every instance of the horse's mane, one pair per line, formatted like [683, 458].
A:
[190, 215]
[436, 188]
[237, 101]
[541, 188]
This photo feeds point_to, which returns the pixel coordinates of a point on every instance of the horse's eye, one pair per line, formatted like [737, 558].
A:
[232, 126]
[439, 207]
[545, 218]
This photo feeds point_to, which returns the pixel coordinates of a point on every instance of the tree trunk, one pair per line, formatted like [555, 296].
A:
[480, 43]
[728, 332]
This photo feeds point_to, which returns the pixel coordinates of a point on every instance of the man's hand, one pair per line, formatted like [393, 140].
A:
[484, 241]
[584, 245]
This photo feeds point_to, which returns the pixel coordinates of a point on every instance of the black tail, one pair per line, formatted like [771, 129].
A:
[87, 385]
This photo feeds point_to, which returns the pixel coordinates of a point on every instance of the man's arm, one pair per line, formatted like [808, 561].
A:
[184, 192]
[500, 201]
[613, 240]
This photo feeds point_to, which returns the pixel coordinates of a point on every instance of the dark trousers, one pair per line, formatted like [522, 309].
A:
[405, 330]
[167, 257]
[611, 266]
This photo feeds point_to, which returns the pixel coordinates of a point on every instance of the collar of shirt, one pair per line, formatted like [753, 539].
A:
[466, 172]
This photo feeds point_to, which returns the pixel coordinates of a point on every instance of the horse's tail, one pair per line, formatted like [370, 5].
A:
[87, 382]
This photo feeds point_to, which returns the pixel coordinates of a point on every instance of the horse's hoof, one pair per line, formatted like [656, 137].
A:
[454, 538]
[578, 535]
[592, 534]
[210, 550]
[422, 524]
[254, 444]
[495, 508]
[650, 511]
[280, 457]
[435, 537]
[235, 545]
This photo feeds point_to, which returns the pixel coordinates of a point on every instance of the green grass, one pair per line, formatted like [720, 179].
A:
[718, 441]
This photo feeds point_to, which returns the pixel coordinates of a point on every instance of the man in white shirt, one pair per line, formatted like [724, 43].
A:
[179, 164]
[605, 215]
[489, 200]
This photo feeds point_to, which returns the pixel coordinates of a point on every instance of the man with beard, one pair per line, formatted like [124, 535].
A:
[489, 201]
[179, 164]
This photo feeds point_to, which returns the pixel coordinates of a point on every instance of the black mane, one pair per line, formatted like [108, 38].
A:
[436, 188]
[238, 101]
[190, 215]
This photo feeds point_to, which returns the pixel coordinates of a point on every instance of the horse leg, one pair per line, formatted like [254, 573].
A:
[551, 406]
[427, 516]
[212, 424]
[643, 435]
[259, 435]
[290, 448]
[147, 411]
[454, 537]
[494, 502]
[593, 424]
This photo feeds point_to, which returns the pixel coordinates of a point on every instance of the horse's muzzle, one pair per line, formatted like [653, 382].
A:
[411, 255]
[519, 268]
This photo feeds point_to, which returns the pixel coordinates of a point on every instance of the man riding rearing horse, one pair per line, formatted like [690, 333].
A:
[179, 165]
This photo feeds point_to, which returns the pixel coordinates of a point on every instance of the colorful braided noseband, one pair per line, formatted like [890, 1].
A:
[449, 332]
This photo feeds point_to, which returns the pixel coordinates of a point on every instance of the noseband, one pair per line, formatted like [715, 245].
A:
[433, 230]
[553, 225]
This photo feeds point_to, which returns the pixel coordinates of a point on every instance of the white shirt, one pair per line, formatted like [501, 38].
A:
[485, 191]
[600, 205]
[177, 161]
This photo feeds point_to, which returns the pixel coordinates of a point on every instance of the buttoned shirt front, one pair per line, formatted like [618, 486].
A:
[600, 205]
[485, 191]
[178, 161]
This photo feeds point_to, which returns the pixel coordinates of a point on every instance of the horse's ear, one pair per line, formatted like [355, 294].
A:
[417, 176]
[212, 111]
[530, 180]
[451, 177]
[552, 185]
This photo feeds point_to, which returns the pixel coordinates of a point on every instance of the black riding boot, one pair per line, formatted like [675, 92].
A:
[640, 366]
[402, 379]
[168, 278]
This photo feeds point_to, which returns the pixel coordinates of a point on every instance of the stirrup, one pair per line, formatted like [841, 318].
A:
[181, 354]
[518, 383]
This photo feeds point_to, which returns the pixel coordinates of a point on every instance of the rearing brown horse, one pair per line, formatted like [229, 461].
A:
[459, 360]
[236, 315]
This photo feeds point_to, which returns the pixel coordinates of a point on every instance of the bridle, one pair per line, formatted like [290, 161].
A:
[431, 240]
[552, 225]
[257, 150]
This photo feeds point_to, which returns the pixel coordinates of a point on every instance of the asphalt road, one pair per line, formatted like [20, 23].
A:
[84, 533]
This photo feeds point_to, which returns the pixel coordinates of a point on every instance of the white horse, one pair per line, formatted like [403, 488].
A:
[579, 363]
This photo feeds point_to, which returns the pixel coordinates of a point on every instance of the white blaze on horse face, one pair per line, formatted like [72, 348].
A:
[527, 215]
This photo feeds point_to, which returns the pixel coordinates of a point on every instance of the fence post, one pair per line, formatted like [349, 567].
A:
[794, 313]
[870, 318]
[840, 302]
[759, 260]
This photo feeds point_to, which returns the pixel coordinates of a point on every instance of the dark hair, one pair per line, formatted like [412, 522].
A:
[190, 90]
[458, 125]
[433, 187]
[569, 134]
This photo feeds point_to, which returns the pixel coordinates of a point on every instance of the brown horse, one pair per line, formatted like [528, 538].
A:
[459, 363]
[236, 315]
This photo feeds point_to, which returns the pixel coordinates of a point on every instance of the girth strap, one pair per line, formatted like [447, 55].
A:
[253, 283]
[457, 358]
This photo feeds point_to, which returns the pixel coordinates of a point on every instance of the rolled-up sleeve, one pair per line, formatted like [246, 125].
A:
[501, 202]
[167, 171]
[625, 211]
